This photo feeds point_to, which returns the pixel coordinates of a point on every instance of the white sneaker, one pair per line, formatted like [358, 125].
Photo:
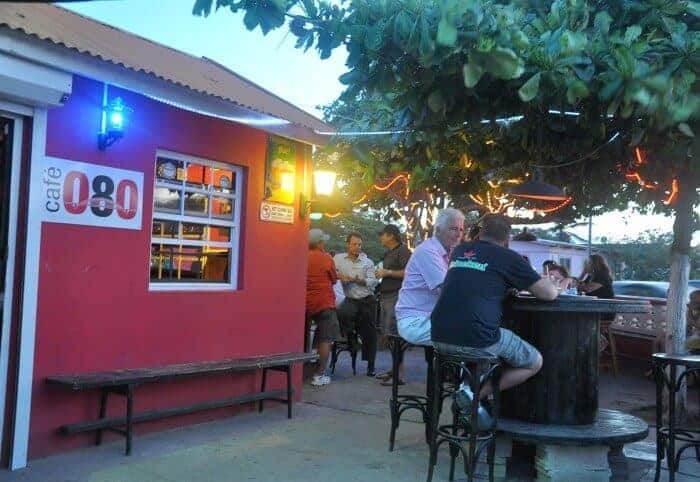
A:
[320, 380]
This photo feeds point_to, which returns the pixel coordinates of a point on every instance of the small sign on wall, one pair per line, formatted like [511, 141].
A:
[276, 213]
[89, 194]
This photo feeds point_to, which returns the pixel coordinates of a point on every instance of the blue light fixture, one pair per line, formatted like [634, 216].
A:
[114, 122]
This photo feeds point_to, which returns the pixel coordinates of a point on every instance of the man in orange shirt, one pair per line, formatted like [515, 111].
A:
[320, 302]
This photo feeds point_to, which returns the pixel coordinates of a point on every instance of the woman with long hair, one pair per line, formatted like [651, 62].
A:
[597, 279]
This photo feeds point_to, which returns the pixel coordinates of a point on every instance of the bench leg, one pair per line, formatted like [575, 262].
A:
[262, 389]
[103, 413]
[290, 398]
[129, 417]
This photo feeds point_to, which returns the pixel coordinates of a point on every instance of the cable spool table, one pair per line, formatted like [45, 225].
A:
[557, 410]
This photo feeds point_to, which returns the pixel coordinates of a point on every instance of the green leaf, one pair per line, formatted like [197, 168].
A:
[529, 89]
[472, 74]
[694, 8]
[436, 102]
[502, 63]
[632, 33]
[576, 92]
[446, 33]
[573, 43]
[426, 47]
[250, 19]
[685, 129]
[310, 8]
[602, 22]
[520, 40]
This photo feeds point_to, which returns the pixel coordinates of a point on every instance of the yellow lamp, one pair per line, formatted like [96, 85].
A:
[287, 184]
[324, 182]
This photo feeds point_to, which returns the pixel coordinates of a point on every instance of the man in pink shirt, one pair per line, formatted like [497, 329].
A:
[424, 275]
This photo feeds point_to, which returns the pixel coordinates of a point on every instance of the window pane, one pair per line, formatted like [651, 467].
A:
[169, 170]
[217, 265]
[193, 231]
[190, 263]
[167, 200]
[219, 234]
[198, 176]
[196, 204]
[224, 180]
[221, 208]
[163, 262]
[164, 229]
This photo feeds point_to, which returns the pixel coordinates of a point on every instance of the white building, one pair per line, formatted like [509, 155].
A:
[572, 256]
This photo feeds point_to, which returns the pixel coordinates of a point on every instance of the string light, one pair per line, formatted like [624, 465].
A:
[400, 177]
[363, 198]
[636, 177]
[674, 193]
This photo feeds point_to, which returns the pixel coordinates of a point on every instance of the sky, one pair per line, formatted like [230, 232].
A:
[273, 63]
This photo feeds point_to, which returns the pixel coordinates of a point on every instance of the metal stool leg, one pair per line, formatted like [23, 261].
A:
[433, 401]
[671, 445]
[394, 404]
[659, 377]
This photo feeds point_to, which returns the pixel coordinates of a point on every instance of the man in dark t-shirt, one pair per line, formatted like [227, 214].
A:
[467, 316]
[391, 273]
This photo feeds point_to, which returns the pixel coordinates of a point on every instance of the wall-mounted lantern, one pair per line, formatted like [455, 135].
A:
[324, 185]
[114, 123]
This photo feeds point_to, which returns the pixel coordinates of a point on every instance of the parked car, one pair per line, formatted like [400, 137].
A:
[651, 289]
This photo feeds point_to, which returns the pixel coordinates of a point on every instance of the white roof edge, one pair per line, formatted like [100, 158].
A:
[19, 44]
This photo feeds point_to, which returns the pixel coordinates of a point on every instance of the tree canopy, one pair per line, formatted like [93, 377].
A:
[476, 92]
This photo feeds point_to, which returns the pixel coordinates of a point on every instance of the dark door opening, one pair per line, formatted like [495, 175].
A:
[6, 137]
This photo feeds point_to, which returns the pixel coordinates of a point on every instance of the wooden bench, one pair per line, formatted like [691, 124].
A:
[123, 382]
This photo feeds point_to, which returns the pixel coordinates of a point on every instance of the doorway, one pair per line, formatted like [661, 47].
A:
[10, 140]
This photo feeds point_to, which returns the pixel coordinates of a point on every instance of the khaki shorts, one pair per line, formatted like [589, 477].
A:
[512, 349]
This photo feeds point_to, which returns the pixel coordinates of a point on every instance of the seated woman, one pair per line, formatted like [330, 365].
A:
[560, 277]
[596, 279]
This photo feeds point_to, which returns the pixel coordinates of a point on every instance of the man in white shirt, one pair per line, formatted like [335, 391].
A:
[358, 310]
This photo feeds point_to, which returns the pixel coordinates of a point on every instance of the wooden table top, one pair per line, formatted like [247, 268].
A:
[579, 304]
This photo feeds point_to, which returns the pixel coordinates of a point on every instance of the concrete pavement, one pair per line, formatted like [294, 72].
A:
[339, 434]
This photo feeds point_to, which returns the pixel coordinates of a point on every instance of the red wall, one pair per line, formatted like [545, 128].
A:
[95, 311]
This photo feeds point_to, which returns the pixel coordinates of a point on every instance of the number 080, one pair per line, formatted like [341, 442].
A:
[76, 195]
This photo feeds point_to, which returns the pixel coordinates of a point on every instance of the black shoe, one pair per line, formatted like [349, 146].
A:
[463, 405]
[370, 371]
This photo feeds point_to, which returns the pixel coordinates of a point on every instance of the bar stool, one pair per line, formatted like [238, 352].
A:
[349, 344]
[668, 435]
[400, 403]
[474, 371]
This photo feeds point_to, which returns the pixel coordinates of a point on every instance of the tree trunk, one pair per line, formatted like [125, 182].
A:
[680, 270]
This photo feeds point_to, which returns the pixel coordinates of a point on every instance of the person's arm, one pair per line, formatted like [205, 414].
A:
[391, 273]
[370, 280]
[591, 287]
[544, 289]
[520, 274]
[332, 273]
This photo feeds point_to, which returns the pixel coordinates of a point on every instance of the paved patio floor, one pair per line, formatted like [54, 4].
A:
[339, 433]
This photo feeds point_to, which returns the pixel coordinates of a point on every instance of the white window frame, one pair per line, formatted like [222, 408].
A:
[234, 225]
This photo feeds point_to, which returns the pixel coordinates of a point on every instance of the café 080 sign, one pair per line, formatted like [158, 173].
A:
[90, 194]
